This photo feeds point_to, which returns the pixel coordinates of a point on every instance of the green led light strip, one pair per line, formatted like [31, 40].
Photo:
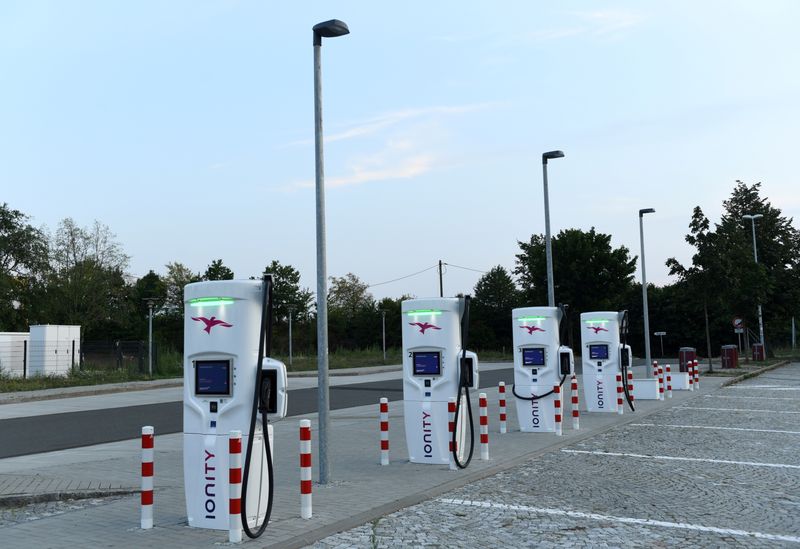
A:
[597, 321]
[210, 301]
[529, 318]
[432, 312]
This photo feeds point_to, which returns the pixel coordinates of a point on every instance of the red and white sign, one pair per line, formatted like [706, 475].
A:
[738, 323]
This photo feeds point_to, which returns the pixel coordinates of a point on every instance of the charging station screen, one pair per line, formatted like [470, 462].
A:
[533, 357]
[598, 352]
[212, 377]
[427, 364]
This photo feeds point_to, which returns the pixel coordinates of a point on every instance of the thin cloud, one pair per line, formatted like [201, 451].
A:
[398, 160]
[606, 22]
[390, 119]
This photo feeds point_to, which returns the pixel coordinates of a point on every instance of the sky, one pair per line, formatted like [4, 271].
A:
[187, 127]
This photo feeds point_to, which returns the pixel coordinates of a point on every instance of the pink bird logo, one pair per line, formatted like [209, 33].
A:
[597, 329]
[532, 329]
[211, 322]
[423, 326]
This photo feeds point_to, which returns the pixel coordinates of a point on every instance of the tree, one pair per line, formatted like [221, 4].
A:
[354, 322]
[589, 275]
[495, 296]
[349, 293]
[23, 263]
[287, 292]
[178, 275]
[218, 271]
[723, 277]
[87, 284]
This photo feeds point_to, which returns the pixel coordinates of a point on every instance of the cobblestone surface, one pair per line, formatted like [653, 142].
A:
[547, 501]
[38, 511]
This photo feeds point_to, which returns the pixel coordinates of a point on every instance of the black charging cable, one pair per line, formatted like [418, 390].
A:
[261, 396]
[463, 386]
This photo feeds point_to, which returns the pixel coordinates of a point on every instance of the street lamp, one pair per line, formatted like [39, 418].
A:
[291, 309]
[644, 289]
[150, 302]
[383, 322]
[551, 295]
[752, 218]
[327, 29]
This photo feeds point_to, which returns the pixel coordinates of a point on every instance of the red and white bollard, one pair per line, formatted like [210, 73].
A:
[483, 405]
[690, 369]
[696, 367]
[660, 383]
[235, 485]
[384, 407]
[502, 403]
[669, 381]
[451, 428]
[630, 384]
[148, 440]
[655, 368]
[557, 408]
[576, 414]
[305, 468]
[620, 395]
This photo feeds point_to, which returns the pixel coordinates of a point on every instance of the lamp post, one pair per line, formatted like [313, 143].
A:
[551, 295]
[383, 322]
[752, 218]
[150, 301]
[644, 288]
[327, 29]
[291, 309]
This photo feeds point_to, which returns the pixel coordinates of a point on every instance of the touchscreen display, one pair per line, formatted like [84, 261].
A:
[598, 352]
[212, 377]
[533, 357]
[427, 364]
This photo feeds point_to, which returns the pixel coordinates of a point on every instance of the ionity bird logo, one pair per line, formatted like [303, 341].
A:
[532, 329]
[597, 329]
[424, 326]
[211, 322]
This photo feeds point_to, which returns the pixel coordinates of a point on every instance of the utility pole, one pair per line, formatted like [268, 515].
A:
[441, 288]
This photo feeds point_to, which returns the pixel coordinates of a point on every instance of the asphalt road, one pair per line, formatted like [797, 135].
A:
[48, 433]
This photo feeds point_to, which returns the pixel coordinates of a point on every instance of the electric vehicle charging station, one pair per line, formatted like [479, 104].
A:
[434, 359]
[540, 363]
[227, 379]
[603, 357]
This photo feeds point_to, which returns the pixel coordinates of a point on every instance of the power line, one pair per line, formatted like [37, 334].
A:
[465, 268]
[403, 277]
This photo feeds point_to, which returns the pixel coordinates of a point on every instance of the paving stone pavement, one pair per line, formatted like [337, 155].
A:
[566, 499]
[363, 490]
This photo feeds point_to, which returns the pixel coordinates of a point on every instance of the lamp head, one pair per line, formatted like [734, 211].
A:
[646, 211]
[550, 155]
[329, 29]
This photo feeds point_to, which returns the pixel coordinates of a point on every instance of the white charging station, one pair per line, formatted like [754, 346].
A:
[222, 330]
[602, 359]
[540, 363]
[432, 356]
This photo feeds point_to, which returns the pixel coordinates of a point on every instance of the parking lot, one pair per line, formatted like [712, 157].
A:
[722, 470]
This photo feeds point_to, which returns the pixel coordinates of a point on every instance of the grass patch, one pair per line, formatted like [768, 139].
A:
[170, 365]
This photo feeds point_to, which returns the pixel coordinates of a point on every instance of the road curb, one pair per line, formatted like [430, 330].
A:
[754, 373]
[22, 500]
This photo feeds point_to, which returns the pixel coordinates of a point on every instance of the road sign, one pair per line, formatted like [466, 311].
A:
[738, 330]
[660, 333]
[738, 323]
